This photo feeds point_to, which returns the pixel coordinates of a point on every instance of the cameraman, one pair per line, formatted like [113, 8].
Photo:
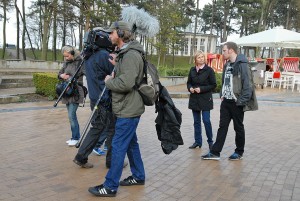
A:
[97, 66]
[72, 61]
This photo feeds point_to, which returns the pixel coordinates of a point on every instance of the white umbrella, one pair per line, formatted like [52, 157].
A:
[275, 38]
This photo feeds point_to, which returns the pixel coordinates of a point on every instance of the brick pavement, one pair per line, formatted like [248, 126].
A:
[37, 164]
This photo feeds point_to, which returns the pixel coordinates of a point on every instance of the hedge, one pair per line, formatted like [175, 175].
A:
[45, 84]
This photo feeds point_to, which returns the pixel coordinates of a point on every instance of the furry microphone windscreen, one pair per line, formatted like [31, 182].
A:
[146, 24]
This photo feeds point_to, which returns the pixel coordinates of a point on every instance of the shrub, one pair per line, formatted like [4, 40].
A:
[45, 84]
[219, 82]
[163, 71]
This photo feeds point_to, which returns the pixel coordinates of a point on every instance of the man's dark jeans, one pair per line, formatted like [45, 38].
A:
[103, 119]
[230, 111]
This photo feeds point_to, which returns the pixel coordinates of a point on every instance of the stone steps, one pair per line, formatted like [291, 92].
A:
[18, 78]
[14, 82]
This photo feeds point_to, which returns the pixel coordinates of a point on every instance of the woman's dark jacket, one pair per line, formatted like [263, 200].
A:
[205, 79]
[168, 122]
[70, 68]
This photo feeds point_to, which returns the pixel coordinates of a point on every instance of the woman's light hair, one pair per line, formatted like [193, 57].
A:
[197, 53]
[69, 49]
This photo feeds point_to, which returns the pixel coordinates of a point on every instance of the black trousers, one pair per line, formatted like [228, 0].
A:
[103, 119]
[230, 111]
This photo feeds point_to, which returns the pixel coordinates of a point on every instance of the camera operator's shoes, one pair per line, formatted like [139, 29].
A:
[102, 191]
[235, 157]
[99, 151]
[130, 181]
[83, 165]
[210, 156]
[72, 143]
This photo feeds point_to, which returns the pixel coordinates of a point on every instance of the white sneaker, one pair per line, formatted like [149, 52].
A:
[68, 141]
[72, 143]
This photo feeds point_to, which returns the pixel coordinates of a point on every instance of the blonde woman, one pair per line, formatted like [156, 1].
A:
[201, 82]
[72, 61]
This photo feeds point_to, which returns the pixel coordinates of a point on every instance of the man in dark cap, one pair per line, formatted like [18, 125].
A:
[128, 107]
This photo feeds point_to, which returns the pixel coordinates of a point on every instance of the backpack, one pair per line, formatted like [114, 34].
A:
[148, 88]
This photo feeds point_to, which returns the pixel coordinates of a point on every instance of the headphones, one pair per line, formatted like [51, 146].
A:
[119, 32]
[72, 52]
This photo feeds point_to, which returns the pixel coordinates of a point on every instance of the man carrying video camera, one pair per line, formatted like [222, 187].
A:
[97, 67]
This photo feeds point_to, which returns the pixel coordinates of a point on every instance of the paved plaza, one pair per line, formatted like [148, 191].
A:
[37, 164]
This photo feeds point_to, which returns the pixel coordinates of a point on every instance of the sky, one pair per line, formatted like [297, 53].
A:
[11, 25]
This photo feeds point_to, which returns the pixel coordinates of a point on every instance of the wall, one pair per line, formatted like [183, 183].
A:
[25, 64]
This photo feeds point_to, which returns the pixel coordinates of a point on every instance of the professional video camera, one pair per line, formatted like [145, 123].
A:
[95, 39]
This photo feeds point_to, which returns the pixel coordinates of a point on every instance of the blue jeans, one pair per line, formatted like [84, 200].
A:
[72, 108]
[125, 141]
[197, 126]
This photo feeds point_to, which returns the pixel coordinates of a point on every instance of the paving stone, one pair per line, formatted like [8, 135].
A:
[38, 163]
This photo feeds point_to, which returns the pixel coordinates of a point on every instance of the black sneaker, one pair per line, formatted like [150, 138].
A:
[83, 165]
[101, 191]
[210, 156]
[129, 181]
[235, 157]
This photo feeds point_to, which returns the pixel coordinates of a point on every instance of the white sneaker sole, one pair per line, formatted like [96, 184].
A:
[97, 153]
[235, 159]
[214, 159]
[72, 144]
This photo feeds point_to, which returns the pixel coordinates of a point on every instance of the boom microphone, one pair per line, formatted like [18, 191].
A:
[143, 23]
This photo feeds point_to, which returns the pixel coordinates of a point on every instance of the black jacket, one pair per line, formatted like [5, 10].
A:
[205, 79]
[168, 122]
[97, 66]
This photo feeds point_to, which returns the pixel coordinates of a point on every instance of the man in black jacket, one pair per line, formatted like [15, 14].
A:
[235, 95]
[97, 66]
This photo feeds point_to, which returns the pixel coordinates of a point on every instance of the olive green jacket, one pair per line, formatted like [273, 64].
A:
[126, 101]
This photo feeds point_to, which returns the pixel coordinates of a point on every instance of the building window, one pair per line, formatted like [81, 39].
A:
[195, 44]
[202, 44]
[176, 47]
[186, 46]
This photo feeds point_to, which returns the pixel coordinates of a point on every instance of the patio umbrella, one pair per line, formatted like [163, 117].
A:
[275, 38]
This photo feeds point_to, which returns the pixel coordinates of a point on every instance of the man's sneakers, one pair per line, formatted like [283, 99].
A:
[235, 157]
[210, 156]
[102, 191]
[130, 181]
[83, 165]
[99, 151]
[72, 143]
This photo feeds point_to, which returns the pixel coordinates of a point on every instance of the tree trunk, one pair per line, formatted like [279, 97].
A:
[54, 31]
[192, 49]
[288, 20]
[46, 26]
[211, 26]
[18, 30]
[226, 12]
[4, 29]
[24, 31]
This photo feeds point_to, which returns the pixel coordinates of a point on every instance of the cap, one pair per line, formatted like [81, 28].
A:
[99, 29]
[121, 25]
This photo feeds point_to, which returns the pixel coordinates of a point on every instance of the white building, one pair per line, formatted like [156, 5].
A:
[205, 42]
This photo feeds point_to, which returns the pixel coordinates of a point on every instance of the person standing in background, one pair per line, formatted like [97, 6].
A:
[201, 83]
[237, 96]
[72, 61]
